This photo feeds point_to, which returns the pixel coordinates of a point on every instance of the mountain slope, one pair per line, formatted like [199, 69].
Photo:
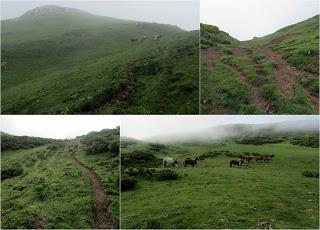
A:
[275, 74]
[44, 188]
[67, 61]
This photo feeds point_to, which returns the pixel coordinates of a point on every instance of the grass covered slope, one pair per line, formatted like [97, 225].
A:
[42, 187]
[213, 195]
[275, 74]
[75, 62]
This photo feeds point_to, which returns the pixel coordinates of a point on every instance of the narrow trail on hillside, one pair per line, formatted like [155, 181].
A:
[255, 97]
[121, 96]
[210, 55]
[101, 218]
[255, 90]
[287, 76]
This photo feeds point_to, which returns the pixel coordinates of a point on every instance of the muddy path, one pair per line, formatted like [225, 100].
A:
[287, 76]
[101, 218]
[211, 55]
[121, 96]
[255, 97]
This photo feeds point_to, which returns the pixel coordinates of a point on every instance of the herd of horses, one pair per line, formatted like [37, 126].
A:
[155, 37]
[244, 160]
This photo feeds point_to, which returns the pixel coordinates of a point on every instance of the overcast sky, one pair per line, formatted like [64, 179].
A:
[59, 127]
[183, 13]
[141, 127]
[245, 19]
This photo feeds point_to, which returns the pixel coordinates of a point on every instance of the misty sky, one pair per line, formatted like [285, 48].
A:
[245, 19]
[183, 13]
[141, 127]
[55, 126]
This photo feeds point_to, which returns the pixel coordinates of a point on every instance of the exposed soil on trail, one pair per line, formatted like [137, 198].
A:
[210, 55]
[284, 74]
[280, 39]
[255, 97]
[101, 218]
[122, 96]
[241, 53]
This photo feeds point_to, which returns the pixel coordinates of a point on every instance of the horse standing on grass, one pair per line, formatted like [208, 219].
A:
[234, 162]
[191, 162]
[169, 161]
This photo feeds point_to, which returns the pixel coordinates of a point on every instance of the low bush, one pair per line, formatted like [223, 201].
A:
[166, 174]
[12, 171]
[128, 183]
[311, 173]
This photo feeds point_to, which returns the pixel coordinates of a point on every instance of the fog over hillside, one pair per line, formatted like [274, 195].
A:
[218, 133]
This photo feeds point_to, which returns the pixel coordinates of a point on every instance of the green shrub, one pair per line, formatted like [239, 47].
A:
[128, 183]
[166, 174]
[153, 224]
[311, 173]
[269, 92]
[12, 171]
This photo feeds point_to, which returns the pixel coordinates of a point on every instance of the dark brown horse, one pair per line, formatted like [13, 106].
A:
[259, 158]
[191, 162]
[234, 162]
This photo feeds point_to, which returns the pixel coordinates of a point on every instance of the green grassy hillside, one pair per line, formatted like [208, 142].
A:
[42, 187]
[82, 63]
[212, 195]
[275, 74]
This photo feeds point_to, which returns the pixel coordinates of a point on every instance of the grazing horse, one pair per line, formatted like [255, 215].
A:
[234, 162]
[268, 159]
[4, 65]
[259, 158]
[247, 158]
[134, 39]
[169, 161]
[157, 37]
[191, 162]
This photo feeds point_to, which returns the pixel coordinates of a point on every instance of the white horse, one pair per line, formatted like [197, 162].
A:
[169, 161]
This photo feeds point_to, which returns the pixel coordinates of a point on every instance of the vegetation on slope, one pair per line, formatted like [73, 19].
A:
[11, 142]
[279, 72]
[78, 63]
[52, 191]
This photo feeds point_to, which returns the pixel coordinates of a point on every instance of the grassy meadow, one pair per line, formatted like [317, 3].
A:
[79, 63]
[213, 195]
[41, 187]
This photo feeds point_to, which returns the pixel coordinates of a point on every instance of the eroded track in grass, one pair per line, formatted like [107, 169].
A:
[101, 217]
[123, 95]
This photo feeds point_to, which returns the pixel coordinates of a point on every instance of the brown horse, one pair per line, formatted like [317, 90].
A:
[191, 162]
[234, 162]
[268, 159]
[4, 65]
[134, 40]
[259, 158]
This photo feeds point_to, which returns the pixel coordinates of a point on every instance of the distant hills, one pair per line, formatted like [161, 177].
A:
[66, 61]
[238, 131]
[275, 74]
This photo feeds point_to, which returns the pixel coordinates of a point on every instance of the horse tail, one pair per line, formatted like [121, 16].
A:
[184, 163]
[230, 164]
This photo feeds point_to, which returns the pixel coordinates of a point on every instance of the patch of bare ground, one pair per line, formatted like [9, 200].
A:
[241, 52]
[101, 217]
[211, 55]
[121, 96]
[280, 39]
[255, 97]
[286, 76]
